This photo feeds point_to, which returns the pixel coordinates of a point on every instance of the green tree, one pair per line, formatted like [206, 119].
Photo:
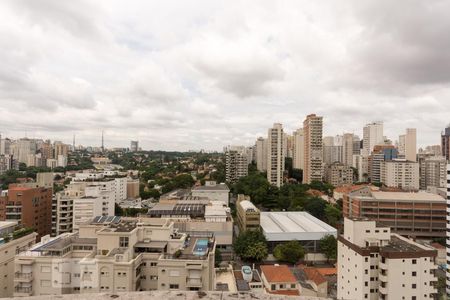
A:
[247, 244]
[217, 258]
[332, 215]
[316, 207]
[257, 251]
[297, 174]
[328, 246]
[290, 252]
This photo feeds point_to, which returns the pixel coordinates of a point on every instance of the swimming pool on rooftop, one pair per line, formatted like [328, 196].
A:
[201, 247]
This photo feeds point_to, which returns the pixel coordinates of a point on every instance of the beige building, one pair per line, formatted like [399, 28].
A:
[261, 154]
[375, 264]
[407, 145]
[347, 149]
[248, 215]
[432, 172]
[338, 174]
[132, 189]
[400, 173]
[312, 130]
[298, 153]
[45, 179]
[275, 155]
[117, 255]
[13, 241]
[236, 163]
[212, 191]
[372, 136]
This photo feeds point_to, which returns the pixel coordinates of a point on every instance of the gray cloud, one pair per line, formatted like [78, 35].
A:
[190, 76]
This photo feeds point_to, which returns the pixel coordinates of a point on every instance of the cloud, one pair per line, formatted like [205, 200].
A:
[185, 75]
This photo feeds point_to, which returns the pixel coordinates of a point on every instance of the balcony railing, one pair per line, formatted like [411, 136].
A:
[21, 275]
[24, 290]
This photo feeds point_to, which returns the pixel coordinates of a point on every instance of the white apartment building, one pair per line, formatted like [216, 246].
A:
[372, 136]
[12, 242]
[110, 254]
[212, 191]
[375, 264]
[275, 155]
[236, 163]
[298, 160]
[62, 161]
[400, 173]
[313, 166]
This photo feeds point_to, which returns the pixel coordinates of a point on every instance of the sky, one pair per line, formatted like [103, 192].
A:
[190, 75]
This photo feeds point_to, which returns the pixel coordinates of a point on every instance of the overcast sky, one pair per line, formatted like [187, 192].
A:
[179, 75]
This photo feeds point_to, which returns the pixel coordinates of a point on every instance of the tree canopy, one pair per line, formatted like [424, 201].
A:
[251, 245]
[290, 252]
[328, 246]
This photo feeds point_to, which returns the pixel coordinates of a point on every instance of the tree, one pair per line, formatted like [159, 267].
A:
[251, 245]
[328, 246]
[332, 215]
[316, 207]
[257, 251]
[217, 258]
[290, 252]
[297, 174]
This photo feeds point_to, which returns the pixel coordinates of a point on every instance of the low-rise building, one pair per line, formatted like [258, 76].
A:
[375, 264]
[418, 214]
[248, 215]
[212, 191]
[312, 282]
[279, 280]
[279, 227]
[113, 255]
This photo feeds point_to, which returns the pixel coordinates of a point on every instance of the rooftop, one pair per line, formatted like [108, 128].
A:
[405, 196]
[217, 187]
[247, 205]
[278, 273]
[398, 244]
[292, 222]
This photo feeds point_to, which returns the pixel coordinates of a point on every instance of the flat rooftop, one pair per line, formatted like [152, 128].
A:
[404, 196]
[217, 187]
[397, 244]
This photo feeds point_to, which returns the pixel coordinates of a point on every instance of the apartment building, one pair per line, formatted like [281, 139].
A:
[117, 185]
[113, 255]
[373, 263]
[275, 155]
[31, 207]
[338, 174]
[312, 130]
[261, 154]
[236, 163]
[12, 241]
[132, 189]
[372, 136]
[407, 145]
[445, 143]
[448, 233]
[380, 154]
[298, 152]
[420, 214]
[199, 216]
[433, 171]
[248, 215]
[347, 149]
[400, 173]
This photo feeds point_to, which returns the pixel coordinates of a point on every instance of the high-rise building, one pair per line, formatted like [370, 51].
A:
[432, 171]
[31, 207]
[312, 129]
[338, 174]
[5, 146]
[373, 263]
[379, 154]
[236, 163]
[328, 145]
[448, 232]
[134, 146]
[22, 149]
[372, 136]
[261, 154]
[46, 150]
[298, 160]
[407, 145]
[445, 142]
[275, 155]
[400, 173]
[347, 149]
[60, 149]
[289, 142]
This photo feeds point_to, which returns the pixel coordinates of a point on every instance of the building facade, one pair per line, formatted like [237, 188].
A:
[236, 163]
[399, 173]
[312, 129]
[298, 159]
[375, 264]
[275, 155]
[248, 215]
[338, 174]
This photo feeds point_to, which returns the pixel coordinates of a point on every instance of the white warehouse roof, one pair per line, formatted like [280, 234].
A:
[294, 225]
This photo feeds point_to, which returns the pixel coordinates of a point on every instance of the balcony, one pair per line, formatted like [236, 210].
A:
[22, 291]
[383, 278]
[193, 282]
[23, 277]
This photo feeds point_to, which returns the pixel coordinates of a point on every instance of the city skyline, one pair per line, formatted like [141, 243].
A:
[179, 76]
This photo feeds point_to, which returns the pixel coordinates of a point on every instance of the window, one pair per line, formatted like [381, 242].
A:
[366, 259]
[414, 274]
[273, 287]
[414, 285]
[153, 264]
[414, 261]
[366, 283]
[292, 286]
[123, 241]
[173, 286]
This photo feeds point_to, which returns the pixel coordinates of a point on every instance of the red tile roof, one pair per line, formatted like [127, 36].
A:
[278, 273]
[437, 246]
[314, 275]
